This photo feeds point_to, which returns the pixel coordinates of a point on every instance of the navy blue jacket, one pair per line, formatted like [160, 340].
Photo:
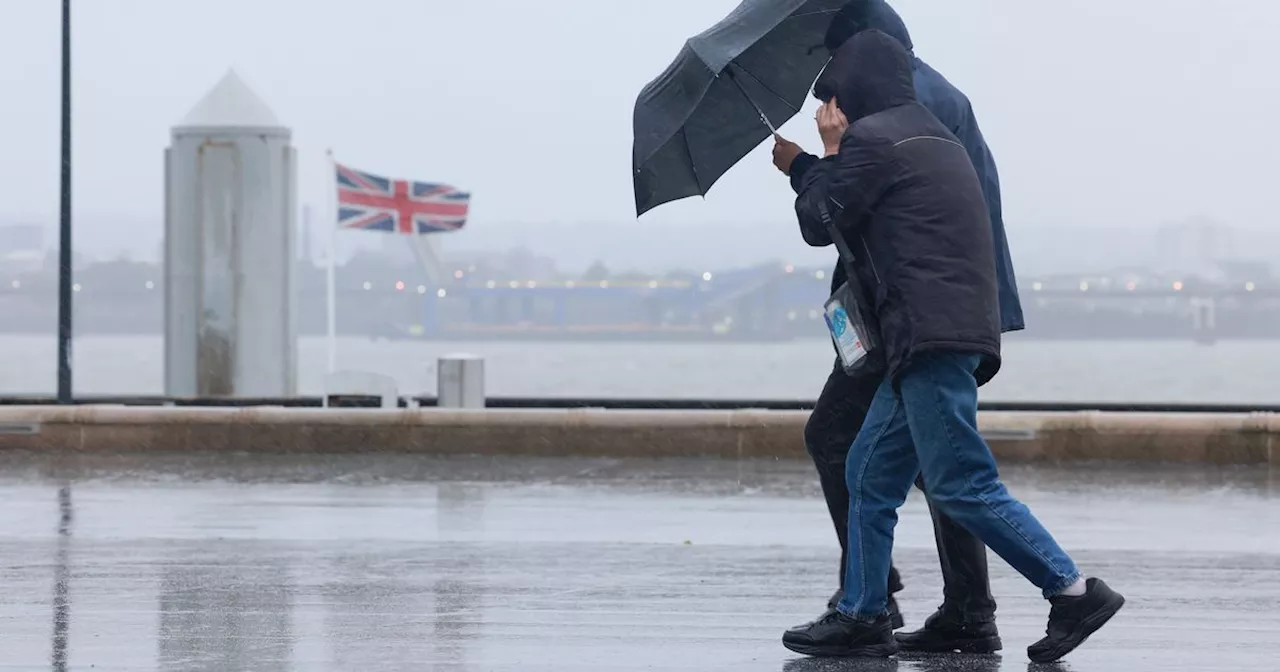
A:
[953, 109]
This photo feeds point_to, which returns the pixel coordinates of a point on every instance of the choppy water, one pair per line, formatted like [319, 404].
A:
[1236, 372]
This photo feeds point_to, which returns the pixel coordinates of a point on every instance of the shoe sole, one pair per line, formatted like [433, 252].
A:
[974, 646]
[874, 651]
[1091, 625]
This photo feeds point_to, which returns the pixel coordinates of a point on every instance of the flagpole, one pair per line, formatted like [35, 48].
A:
[332, 291]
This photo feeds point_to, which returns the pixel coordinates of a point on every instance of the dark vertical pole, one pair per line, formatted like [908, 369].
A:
[64, 256]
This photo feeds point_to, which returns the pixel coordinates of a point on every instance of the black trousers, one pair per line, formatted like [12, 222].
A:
[829, 434]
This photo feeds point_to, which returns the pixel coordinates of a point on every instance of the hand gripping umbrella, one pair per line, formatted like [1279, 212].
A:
[726, 92]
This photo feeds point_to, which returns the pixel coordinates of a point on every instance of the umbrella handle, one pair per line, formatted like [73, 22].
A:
[759, 111]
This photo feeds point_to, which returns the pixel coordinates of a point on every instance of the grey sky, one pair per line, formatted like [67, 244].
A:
[1123, 114]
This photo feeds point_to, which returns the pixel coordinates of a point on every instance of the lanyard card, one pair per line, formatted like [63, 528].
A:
[845, 333]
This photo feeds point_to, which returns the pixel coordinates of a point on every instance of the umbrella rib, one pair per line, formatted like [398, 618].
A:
[820, 12]
[733, 64]
[763, 117]
[688, 151]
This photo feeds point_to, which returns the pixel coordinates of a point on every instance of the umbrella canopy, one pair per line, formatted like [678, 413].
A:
[725, 93]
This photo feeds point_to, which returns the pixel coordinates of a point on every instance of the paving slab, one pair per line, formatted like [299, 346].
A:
[260, 562]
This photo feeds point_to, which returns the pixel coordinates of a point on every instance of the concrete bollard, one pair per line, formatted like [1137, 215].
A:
[460, 382]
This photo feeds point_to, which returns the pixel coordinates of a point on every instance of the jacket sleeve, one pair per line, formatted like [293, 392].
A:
[846, 185]
[961, 120]
[799, 167]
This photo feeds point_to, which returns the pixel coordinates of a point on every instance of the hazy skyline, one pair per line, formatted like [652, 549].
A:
[1101, 115]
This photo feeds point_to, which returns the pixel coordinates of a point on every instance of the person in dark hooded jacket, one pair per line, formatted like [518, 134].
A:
[900, 188]
[953, 109]
[966, 619]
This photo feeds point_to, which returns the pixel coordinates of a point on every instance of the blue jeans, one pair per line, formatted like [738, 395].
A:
[929, 426]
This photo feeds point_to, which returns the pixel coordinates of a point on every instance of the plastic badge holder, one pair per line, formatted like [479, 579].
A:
[855, 333]
[854, 340]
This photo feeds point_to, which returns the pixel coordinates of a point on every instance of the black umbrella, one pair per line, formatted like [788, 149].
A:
[726, 92]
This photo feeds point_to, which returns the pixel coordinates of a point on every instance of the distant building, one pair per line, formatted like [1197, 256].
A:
[1196, 245]
[1246, 270]
[21, 248]
[519, 264]
[397, 250]
[21, 237]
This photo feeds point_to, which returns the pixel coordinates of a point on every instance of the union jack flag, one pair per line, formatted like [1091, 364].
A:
[376, 203]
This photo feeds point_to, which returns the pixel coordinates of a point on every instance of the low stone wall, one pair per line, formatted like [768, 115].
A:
[1044, 437]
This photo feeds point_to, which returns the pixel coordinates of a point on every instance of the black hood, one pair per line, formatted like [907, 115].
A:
[860, 15]
[870, 73]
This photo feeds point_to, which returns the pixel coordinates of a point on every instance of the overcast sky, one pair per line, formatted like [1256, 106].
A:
[1123, 114]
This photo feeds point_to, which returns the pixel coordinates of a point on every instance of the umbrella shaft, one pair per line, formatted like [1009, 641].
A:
[763, 117]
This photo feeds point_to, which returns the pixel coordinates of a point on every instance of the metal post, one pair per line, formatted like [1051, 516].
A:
[460, 382]
[64, 256]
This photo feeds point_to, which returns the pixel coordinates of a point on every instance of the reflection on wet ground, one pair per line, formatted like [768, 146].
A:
[285, 563]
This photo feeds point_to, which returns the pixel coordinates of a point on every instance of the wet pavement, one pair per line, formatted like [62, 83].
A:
[390, 563]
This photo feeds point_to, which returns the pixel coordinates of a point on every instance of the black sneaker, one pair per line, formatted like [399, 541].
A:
[836, 635]
[831, 609]
[1073, 619]
[895, 616]
[946, 631]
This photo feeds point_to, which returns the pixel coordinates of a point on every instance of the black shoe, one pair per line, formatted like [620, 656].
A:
[831, 609]
[837, 635]
[895, 616]
[1073, 619]
[946, 631]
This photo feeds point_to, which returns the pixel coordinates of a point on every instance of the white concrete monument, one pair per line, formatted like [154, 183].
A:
[230, 221]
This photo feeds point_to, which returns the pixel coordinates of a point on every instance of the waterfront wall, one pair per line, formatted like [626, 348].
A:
[1221, 439]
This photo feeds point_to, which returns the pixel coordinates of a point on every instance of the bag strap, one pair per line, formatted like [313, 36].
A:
[847, 257]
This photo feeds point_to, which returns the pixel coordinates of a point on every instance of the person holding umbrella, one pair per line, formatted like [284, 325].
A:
[901, 189]
[966, 619]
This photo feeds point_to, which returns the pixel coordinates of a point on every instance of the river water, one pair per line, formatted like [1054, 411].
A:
[1232, 372]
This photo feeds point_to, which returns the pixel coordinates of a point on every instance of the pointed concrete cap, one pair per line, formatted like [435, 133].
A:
[231, 105]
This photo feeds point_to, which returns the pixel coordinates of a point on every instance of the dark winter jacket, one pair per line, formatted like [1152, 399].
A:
[951, 107]
[902, 188]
